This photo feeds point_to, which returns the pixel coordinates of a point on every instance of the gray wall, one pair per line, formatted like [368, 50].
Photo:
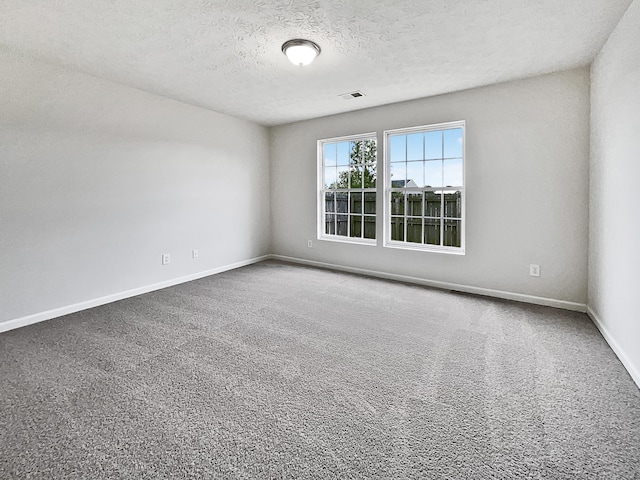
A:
[614, 203]
[527, 183]
[97, 180]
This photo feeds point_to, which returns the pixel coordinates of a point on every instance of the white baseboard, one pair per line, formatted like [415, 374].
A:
[550, 302]
[624, 359]
[58, 312]
[520, 297]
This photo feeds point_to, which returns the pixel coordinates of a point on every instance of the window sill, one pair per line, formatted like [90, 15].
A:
[371, 242]
[425, 248]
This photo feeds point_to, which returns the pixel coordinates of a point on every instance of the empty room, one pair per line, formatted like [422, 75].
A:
[320, 239]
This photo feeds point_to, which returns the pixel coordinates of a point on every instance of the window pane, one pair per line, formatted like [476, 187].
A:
[356, 225]
[398, 174]
[370, 202]
[433, 144]
[452, 233]
[415, 174]
[432, 204]
[355, 153]
[355, 174]
[370, 176]
[453, 143]
[342, 224]
[329, 154]
[397, 203]
[370, 150]
[355, 205]
[342, 202]
[453, 173]
[397, 228]
[453, 204]
[369, 226]
[415, 146]
[330, 177]
[433, 173]
[343, 177]
[398, 148]
[432, 231]
[414, 230]
[343, 153]
[330, 224]
[363, 152]
[329, 202]
[414, 204]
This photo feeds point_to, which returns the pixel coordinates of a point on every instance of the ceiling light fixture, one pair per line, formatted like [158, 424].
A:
[300, 52]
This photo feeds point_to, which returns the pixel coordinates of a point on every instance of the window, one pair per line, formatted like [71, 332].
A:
[424, 187]
[347, 189]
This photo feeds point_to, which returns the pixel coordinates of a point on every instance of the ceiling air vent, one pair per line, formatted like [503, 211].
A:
[349, 96]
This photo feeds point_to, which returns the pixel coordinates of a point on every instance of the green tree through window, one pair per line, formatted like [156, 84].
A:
[362, 165]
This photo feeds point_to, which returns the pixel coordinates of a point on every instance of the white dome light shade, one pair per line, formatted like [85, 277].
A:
[301, 52]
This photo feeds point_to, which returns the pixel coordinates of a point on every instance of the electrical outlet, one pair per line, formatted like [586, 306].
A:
[534, 270]
[166, 259]
[195, 253]
[309, 243]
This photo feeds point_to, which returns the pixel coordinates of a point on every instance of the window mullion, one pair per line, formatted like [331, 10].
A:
[423, 211]
[442, 219]
[406, 216]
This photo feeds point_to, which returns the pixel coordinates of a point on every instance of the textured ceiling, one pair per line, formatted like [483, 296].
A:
[225, 55]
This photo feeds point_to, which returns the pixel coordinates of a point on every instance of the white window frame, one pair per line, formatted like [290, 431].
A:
[320, 210]
[386, 222]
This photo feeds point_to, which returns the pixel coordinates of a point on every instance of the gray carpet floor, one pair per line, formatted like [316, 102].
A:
[282, 371]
